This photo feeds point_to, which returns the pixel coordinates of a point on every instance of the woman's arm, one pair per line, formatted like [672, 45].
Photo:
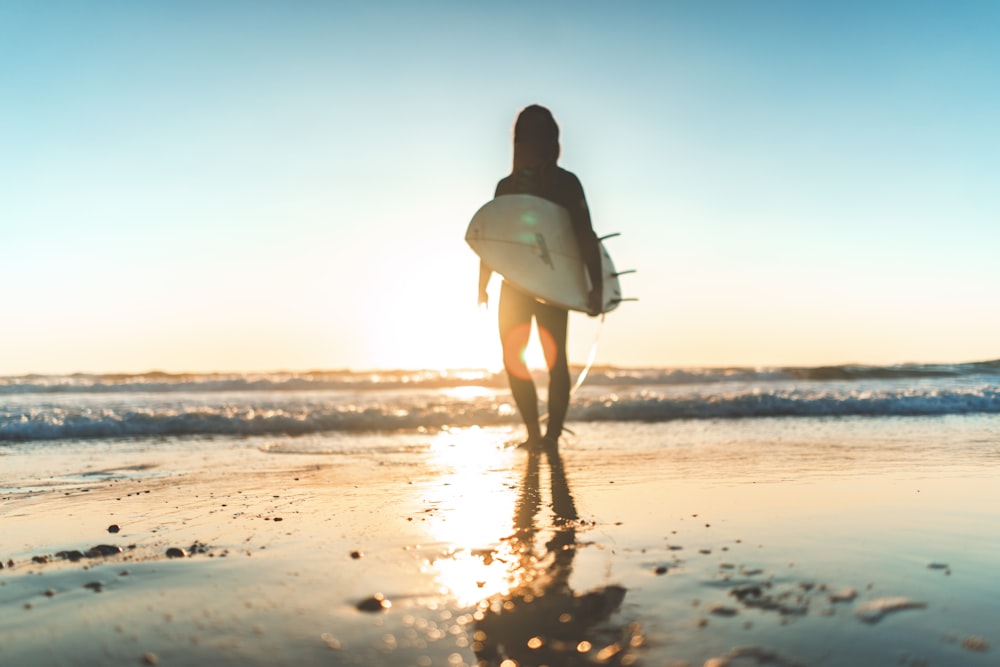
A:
[485, 273]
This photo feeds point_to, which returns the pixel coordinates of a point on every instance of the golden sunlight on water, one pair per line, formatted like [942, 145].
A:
[473, 502]
[502, 547]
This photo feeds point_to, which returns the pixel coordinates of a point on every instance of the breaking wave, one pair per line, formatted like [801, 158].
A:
[160, 382]
[201, 408]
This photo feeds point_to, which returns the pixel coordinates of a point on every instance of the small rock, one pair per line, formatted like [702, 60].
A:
[50, 593]
[843, 595]
[199, 548]
[278, 518]
[760, 656]
[355, 554]
[104, 550]
[73, 555]
[662, 569]
[376, 602]
[937, 566]
[176, 552]
[114, 528]
[977, 644]
[722, 610]
[875, 610]
[149, 658]
[95, 586]
[39, 559]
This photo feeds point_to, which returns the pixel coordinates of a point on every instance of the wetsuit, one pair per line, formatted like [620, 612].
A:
[517, 308]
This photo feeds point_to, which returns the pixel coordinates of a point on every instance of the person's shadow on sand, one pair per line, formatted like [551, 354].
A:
[541, 621]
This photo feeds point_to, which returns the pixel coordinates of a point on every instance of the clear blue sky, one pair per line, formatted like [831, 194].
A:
[251, 186]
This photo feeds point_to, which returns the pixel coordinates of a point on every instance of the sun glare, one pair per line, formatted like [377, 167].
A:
[475, 498]
[534, 353]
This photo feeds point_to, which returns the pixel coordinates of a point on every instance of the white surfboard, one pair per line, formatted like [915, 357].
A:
[530, 242]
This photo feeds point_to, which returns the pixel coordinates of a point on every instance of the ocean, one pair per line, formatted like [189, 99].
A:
[48, 408]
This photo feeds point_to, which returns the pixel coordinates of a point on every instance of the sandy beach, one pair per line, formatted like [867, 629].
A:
[452, 548]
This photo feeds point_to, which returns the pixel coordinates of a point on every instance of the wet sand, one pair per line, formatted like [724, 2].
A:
[451, 548]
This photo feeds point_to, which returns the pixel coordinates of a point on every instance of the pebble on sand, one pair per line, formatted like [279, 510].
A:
[874, 611]
[149, 658]
[355, 554]
[176, 552]
[376, 602]
[760, 656]
[103, 550]
[844, 595]
[114, 528]
[662, 569]
[977, 644]
[722, 610]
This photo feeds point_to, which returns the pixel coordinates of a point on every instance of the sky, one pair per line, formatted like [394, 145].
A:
[252, 186]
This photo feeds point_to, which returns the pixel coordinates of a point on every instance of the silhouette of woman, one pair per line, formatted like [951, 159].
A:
[535, 172]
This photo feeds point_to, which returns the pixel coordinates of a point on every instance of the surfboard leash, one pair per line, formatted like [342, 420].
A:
[583, 374]
[590, 358]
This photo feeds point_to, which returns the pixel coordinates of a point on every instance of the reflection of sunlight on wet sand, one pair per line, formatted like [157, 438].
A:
[473, 500]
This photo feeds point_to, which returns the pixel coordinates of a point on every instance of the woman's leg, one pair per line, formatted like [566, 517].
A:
[554, 322]
[514, 319]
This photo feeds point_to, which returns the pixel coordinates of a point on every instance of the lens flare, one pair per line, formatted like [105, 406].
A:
[517, 351]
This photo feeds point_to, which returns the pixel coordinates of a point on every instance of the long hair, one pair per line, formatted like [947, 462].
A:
[536, 138]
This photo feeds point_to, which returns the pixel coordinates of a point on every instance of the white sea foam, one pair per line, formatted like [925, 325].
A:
[158, 382]
[45, 408]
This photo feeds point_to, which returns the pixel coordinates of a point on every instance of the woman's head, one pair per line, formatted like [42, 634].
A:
[536, 138]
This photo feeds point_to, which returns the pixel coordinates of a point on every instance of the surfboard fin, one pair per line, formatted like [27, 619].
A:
[617, 301]
[622, 273]
[609, 236]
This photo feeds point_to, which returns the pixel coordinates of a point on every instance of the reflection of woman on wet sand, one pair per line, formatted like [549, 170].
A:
[541, 621]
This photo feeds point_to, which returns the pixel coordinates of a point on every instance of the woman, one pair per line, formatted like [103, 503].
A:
[536, 150]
